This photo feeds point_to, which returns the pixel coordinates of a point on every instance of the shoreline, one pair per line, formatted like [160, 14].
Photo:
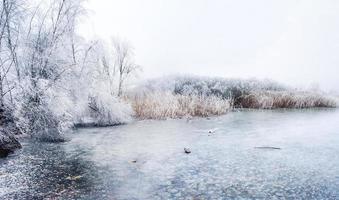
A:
[14, 143]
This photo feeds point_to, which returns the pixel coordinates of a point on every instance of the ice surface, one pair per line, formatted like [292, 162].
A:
[145, 160]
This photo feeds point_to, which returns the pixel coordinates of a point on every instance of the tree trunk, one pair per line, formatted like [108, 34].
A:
[120, 85]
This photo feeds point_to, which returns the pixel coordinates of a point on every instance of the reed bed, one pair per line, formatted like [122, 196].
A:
[163, 105]
[286, 99]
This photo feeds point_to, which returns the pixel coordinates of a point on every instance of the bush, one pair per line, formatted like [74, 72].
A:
[100, 108]
[38, 121]
[108, 110]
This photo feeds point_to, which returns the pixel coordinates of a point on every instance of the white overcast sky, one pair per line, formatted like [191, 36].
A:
[292, 41]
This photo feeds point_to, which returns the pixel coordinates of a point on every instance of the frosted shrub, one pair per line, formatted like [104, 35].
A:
[162, 105]
[60, 104]
[44, 115]
[40, 122]
[107, 110]
[96, 103]
[100, 108]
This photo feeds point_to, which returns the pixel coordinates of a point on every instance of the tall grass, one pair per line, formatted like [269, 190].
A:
[163, 105]
[286, 99]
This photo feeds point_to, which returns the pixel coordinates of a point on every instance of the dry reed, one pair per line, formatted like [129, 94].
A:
[163, 105]
[284, 99]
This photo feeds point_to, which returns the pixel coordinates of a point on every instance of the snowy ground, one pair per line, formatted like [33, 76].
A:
[146, 160]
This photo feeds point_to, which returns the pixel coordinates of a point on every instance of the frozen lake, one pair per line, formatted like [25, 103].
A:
[146, 160]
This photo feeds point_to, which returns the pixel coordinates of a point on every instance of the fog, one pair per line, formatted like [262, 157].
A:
[295, 42]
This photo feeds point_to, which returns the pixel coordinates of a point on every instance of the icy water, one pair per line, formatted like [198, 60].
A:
[146, 160]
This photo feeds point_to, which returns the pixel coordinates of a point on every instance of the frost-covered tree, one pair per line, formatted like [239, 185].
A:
[44, 63]
[96, 100]
[124, 61]
[51, 78]
[11, 13]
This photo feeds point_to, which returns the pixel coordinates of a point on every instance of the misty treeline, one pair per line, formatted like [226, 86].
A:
[51, 78]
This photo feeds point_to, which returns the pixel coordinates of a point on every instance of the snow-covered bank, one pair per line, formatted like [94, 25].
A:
[8, 142]
[8, 133]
